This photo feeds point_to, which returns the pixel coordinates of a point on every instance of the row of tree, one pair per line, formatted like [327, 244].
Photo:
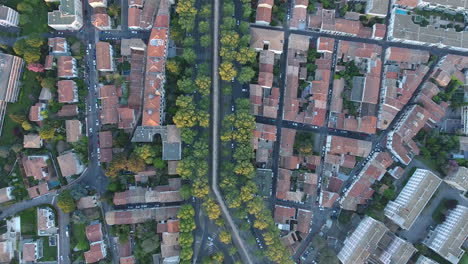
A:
[192, 117]
[241, 192]
[237, 179]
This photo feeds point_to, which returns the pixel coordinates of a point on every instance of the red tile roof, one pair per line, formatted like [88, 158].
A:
[263, 14]
[67, 91]
[105, 139]
[94, 233]
[66, 67]
[103, 56]
[304, 218]
[95, 253]
[283, 214]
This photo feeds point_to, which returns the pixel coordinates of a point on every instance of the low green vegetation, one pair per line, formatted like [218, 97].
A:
[436, 147]
[32, 15]
[12, 132]
[304, 143]
[28, 220]
[49, 252]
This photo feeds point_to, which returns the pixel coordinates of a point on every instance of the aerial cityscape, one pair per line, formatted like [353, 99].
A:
[234, 131]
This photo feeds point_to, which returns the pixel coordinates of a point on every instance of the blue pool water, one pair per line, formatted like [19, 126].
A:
[401, 12]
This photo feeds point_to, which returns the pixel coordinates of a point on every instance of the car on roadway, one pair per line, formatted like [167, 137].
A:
[210, 239]
[244, 90]
[98, 151]
[232, 108]
[238, 22]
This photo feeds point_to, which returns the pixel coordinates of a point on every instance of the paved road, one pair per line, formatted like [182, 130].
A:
[18, 207]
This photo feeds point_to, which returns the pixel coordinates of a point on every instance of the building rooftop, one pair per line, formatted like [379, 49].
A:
[447, 239]
[73, 129]
[412, 198]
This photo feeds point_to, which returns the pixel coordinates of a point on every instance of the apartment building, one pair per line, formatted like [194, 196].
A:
[413, 198]
[458, 179]
[372, 242]
[264, 9]
[11, 68]
[69, 16]
[104, 59]
[153, 105]
[66, 67]
[8, 17]
[447, 238]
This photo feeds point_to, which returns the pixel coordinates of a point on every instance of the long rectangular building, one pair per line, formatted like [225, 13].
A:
[413, 198]
[448, 237]
[153, 106]
[372, 242]
[11, 68]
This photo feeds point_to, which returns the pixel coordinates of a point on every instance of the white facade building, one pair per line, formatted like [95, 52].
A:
[448, 237]
[413, 198]
[8, 17]
[68, 17]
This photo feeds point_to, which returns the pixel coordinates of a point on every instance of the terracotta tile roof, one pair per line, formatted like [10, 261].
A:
[68, 110]
[103, 56]
[173, 226]
[38, 190]
[49, 62]
[260, 36]
[94, 233]
[126, 117]
[379, 30]
[335, 184]
[141, 215]
[36, 166]
[170, 245]
[68, 164]
[106, 155]
[66, 67]
[407, 55]
[134, 14]
[105, 139]
[32, 141]
[35, 112]
[73, 128]
[95, 252]
[283, 214]
[57, 45]
[127, 260]
[355, 147]
[101, 20]
[304, 218]
[290, 162]
[328, 199]
[408, 3]
[135, 3]
[29, 252]
[325, 44]
[263, 14]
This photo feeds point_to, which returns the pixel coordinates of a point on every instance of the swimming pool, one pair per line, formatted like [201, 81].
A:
[401, 12]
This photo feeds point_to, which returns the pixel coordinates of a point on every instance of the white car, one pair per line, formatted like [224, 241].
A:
[232, 108]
